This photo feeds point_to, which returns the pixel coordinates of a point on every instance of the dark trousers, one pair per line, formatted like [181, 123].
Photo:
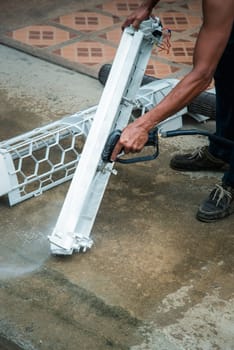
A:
[224, 85]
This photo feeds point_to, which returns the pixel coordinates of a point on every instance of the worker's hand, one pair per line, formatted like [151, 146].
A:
[138, 16]
[132, 139]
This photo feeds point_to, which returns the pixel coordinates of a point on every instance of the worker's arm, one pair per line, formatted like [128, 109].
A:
[140, 14]
[211, 42]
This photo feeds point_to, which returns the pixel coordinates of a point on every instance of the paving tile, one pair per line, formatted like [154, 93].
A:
[89, 38]
[159, 69]
[180, 52]
[113, 35]
[87, 52]
[177, 21]
[41, 35]
[120, 8]
[87, 21]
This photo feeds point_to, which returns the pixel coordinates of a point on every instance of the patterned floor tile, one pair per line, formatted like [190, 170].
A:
[87, 21]
[120, 8]
[41, 35]
[88, 52]
[89, 38]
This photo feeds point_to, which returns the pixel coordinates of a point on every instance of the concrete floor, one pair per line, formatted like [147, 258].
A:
[155, 279]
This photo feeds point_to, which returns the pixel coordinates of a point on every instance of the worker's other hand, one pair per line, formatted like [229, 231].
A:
[135, 19]
[133, 138]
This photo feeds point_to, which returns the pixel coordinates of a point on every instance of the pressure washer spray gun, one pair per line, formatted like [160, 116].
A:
[153, 140]
[113, 139]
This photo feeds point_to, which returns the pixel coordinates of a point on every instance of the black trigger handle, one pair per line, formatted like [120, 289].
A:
[113, 139]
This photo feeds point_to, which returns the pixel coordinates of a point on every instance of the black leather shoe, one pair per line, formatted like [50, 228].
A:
[218, 205]
[200, 159]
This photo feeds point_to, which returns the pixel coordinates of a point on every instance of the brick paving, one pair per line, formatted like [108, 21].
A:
[86, 39]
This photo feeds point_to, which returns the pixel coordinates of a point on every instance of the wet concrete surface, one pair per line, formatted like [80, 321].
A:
[156, 278]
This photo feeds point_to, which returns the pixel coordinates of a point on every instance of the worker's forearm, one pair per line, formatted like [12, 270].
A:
[178, 98]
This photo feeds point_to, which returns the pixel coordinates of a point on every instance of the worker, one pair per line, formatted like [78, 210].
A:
[213, 58]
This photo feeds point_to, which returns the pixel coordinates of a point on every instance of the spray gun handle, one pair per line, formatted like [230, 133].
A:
[113, 139]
